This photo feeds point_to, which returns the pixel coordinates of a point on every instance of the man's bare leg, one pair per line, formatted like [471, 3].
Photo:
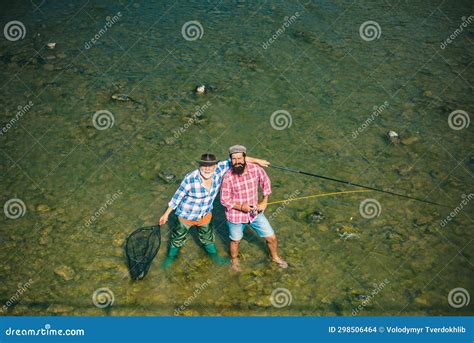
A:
[234, 255]
[272, 246]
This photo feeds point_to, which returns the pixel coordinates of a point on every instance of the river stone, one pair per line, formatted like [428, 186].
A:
[348, 232]
[322, 227]
[316, 216]
[56, 308]
[166, 176]
[428, 94]
[67, 273]
[48, 67]
[42, 208]
[44, 240]
[403, 170]
[421, 301]
[409, 140]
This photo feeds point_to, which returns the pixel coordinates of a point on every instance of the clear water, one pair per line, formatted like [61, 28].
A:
[320, 71]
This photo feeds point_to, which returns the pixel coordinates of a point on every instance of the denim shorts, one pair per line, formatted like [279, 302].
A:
[260, 224]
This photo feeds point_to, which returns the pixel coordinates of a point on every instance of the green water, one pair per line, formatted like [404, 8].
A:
[320, 70]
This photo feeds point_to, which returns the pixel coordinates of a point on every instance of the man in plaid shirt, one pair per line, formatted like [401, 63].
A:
[193, 203]
[239, 195]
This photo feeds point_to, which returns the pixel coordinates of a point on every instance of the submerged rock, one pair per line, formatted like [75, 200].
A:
[404, 169]
[316, 216]
[48, 67]
[121, 97]
[323, 227]
[393, 136]
[428, 94]
[200, 89]
[57, 308]
[348, 232]
[67, 273]
[345, 236]
[166, 176]
[42, 208]
[409, 140]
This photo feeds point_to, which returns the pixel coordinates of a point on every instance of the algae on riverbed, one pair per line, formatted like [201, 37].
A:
[66, 170]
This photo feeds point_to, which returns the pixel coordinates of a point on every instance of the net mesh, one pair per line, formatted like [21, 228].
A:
[141, 247]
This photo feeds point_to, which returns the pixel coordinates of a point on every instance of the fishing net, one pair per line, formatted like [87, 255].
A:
[141, 247]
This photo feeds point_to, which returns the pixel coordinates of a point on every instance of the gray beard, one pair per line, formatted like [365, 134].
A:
[205, 178]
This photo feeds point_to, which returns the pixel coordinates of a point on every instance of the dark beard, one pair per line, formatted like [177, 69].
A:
[239, 169]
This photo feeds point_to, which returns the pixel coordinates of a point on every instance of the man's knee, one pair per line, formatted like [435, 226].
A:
[271, 239]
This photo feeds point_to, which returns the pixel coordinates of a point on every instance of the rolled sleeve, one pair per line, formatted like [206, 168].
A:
[264, 182]
[226, 194]
[223, 167]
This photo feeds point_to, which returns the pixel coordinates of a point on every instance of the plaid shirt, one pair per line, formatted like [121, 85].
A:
[192, 201]
[241, 189]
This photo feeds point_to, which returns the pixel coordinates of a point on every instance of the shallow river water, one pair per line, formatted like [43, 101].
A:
[83, 187]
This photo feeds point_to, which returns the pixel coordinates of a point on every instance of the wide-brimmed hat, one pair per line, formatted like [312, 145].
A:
[207, 160]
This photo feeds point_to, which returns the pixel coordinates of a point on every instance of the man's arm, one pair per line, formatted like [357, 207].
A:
[260, 162]
[265, 183]
[164, 217]
[225, 165]
[175, 201]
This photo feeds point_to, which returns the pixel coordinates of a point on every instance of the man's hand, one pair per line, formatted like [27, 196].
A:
[246, 208]
[261, 206]
[262, 163]
[164, 219]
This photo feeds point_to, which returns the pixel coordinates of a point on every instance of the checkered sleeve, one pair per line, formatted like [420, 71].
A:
[223, 167]
[226, 193]
[264, 181]
[180, 193]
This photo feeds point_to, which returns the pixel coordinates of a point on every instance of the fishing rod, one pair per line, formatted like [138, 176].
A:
[315, 196]
[355, 184]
